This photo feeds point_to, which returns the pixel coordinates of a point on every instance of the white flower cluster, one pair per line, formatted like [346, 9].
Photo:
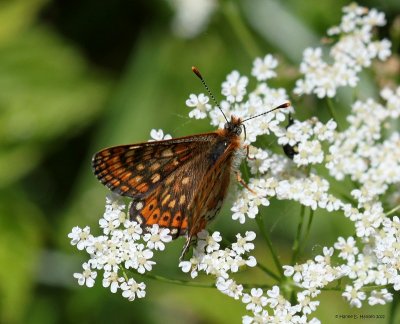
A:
[307, 136]
[376, 265]
[274, 308]
[354, 51]
[367, 151]
[256, 102]
[284, 182]
[122, 246]
[209, 258]
[362, 153]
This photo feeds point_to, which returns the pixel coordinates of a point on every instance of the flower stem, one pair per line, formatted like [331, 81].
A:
[296, 243]
[392, 211]
[176, 281]
[268, 271]
[231, 11]
[393, 308]
[260, 223]
[124, 273]
[331, 110]
[310, 219]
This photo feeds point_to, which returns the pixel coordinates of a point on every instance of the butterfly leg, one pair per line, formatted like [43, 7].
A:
[243, 183]
[189, 241]
[247, 147]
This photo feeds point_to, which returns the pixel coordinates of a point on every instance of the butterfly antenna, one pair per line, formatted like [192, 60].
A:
[284, 105]
[197, 72]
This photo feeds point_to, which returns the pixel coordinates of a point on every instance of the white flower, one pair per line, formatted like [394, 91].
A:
[308, 306]
[140, 259]
[133, 230]
[229, 287]
[240, 208]
[309, 152]
[374, 18]
[158, 135]
[234, 88]
[243, 244]
[132, 289]
[81, 237]
[87, 276]
[274, 297]
[354, 296]
[258, 318]
[263, 69]
[380, 297]
[193, 264]
[347, 248]
[109, 222]
[156, 237]
[256, 301]
[200, 105]
[111, 279]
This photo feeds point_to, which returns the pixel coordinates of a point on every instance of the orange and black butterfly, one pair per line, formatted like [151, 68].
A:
[179, 183]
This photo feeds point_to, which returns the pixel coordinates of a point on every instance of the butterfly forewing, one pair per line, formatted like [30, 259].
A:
[135, 170]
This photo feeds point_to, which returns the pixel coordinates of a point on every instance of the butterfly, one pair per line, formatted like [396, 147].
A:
[180, 183]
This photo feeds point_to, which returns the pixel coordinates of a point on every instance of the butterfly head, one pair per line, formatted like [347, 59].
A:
[234, 126]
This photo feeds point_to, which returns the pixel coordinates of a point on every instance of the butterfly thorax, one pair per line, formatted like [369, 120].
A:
[226, 142]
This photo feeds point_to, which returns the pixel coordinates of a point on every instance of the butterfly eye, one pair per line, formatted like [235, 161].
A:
[238, 130]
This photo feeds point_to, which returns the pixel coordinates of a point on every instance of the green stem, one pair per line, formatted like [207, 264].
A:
[260, 223]
[347, 198]
[364, 288]
[393, 308]
[310, 220]
[231, 11]
[268, 271]
[392, 211]
[331, 110]
[296, 243]
[176, 281]
[124, 273]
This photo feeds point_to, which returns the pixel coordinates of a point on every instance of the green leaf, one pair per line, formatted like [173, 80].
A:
[47, 91]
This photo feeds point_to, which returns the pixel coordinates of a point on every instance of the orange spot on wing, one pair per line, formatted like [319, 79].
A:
[153, 217]
[126, 176]
[124, 188]
[115, 182]
[143, 187]
[177, 220]
[165, 219]
[184, 224]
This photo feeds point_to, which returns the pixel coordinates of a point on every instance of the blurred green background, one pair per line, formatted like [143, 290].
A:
[77, 76]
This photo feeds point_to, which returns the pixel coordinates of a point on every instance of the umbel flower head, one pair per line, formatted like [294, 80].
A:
[364, 266]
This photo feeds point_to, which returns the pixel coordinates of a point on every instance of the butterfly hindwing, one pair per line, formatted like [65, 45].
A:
[211, 193]
[172, 203]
